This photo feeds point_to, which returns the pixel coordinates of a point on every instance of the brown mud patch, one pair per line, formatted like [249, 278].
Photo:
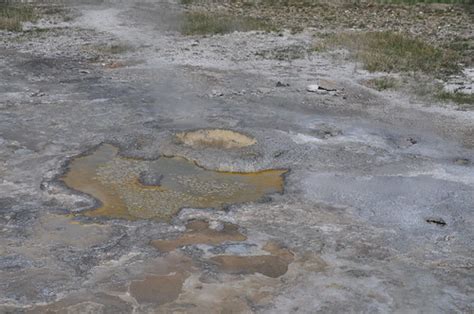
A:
[115, 182]
[162, 280]
[158, 289]
[198, 232]
[274, 265]
[215, 138]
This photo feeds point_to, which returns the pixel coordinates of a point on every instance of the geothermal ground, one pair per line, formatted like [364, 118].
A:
[145, 171]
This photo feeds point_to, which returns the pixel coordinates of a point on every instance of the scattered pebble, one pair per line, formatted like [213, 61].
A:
[280, 84]
[324, 87]
[462, 161]
[38, 94]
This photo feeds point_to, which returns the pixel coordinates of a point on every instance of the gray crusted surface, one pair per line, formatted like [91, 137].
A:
[371, 173]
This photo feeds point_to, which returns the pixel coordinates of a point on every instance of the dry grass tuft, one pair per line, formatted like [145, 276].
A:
[204, 23]
[465, 101]
[12, 16]
[383, 83]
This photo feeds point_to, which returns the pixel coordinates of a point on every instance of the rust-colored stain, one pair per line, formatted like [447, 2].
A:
[274, 265]
[116, 182]
[198, 232]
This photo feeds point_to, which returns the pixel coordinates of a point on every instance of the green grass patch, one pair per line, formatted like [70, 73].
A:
[203, 23]
[395, 52]
[12, 16]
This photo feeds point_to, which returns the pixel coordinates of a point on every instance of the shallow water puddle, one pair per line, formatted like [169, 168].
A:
[140, 189]
[198, 232]
[158, 289]
[272, 265]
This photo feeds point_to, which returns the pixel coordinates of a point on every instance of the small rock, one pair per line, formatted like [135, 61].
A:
[216, 93]
[462, 161]
[325, 131]
[313, 88]
[278, 153]
[280, 84]
[328, 85]
[84, 71]
[324, 87]
[38, 94]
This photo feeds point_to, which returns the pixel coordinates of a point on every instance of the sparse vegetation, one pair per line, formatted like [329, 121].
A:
[394, 52]
[12, 16]
[454, 17]
[306, 3]
[426, 88]
[202, 23]
[465, 101]
[113, 49]
[424, 1]
[464, 47]
[383, 83]
[287, 53]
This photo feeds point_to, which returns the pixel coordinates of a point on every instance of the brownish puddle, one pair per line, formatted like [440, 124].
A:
[198, 232]
[274, 265]
[158, 289]
[140, 189]
[178, 279]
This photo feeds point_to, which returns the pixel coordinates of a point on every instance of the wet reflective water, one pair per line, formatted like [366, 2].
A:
[141, 189]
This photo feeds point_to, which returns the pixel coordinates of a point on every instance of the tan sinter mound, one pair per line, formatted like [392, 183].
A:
[215, 138]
